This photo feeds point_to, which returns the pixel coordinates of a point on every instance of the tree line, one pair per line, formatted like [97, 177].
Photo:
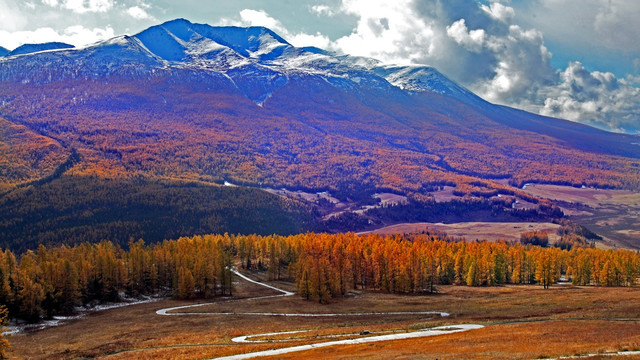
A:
[51, 281]
[423, 208]
[330, 265]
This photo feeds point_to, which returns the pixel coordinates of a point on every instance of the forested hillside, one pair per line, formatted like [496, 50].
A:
[305, 136]
[76, 209]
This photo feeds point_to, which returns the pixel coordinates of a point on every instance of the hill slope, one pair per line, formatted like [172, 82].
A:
[192, 102]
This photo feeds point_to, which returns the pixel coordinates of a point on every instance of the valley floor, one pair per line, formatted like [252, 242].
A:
[519, 322]
[491, 231]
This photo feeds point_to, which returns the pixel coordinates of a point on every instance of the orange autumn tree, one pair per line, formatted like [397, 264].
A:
[4, 343]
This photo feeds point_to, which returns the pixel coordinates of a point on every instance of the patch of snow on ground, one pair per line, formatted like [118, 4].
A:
[82, 311]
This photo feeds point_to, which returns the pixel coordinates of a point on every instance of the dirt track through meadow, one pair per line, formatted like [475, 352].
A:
[442, 330]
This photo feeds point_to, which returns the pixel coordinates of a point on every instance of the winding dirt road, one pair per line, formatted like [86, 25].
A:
[407, 335]
[365, 338]
[247, 338]
[170, 311]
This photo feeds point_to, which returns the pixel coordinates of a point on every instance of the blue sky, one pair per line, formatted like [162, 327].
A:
[574, 59]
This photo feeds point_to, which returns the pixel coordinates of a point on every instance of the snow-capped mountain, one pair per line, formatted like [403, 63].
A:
[255, 59]
[33, 48]
[256, 63]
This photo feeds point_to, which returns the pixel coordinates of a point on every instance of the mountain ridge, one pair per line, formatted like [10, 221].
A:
[181, 44]
[33, 48]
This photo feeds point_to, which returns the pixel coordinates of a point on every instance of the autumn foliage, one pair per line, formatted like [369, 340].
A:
[326, 266]
[539, 238]
[52, 281]
[310, 137]
[4, 343]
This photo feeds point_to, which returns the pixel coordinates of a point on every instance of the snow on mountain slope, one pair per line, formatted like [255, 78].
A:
[182, 41]
[255, 42]
[242, 103]
[422, 78]
[158, 41]
[118, 56]
[32, 48]
[255, 59]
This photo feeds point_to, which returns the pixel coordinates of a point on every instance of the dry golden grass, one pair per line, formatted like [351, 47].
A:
[588, 196]
[521, 322]
[491, 231]
[510, 341]
[446, 194]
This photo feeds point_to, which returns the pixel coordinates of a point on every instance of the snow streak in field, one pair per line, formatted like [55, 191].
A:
[442, 330]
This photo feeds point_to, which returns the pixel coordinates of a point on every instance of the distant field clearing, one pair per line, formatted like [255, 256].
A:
[588, 196]
[491, 231]
[612, 214]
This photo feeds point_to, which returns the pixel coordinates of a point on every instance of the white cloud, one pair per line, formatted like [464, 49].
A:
[250, 17]
[261, 18]
[11, 18]
[472, 40]
[138, 13]
[478, 47]
[482, 48]
[618, 18]
[389, 31]
[522, 67]
[318, 40]
[76, 35]
[322, 10]
[495, 48]
[82, 6]
[590, 24]
[594, 97]
[499, 11]
[633, 79]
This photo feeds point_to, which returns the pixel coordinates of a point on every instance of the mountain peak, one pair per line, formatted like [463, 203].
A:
[179, 39]
[32, 48]
[3, 51]
[176, 21]
[257, 59]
